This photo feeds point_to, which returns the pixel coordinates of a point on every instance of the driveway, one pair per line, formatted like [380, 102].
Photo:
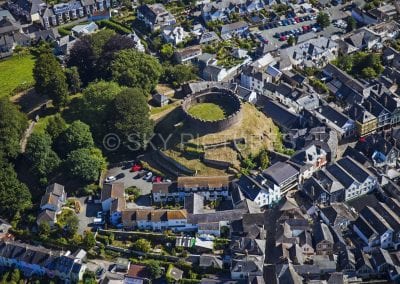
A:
[87, 214]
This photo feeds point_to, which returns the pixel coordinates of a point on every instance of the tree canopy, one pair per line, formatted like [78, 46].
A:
[12, 126]
[323, 19]
[86, 164]
[76, 136]
[97, 104]
[14, 195]
[135, 69]
[42, 157]
[179, 74]
[50, 79]
[131, 115]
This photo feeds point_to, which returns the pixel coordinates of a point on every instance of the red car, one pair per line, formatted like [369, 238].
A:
[296, 19]
[157, 179]
[283, 38]
[136, 168]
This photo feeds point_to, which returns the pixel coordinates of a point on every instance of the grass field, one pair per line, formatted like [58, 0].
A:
[15, 71]
[207, 111]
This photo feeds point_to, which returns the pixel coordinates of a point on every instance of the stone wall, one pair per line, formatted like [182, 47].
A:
[221, 96]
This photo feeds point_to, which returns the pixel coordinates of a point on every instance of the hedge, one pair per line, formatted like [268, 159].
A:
[114, 26]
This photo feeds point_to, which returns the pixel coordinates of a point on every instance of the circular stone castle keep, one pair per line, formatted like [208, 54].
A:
[226, 99]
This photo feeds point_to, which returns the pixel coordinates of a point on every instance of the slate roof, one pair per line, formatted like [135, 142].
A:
[207, 37]
[8, 26]
[46, 216]
[209, 260]
[194, 203]
[279, 114]
[321, 232]
[357, 171]
[228, 28]
[280, 172]
[333, 115]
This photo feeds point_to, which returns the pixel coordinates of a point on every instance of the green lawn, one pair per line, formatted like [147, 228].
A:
[15, 71]
[207, 111]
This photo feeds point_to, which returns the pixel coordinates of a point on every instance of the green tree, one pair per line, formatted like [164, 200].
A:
[76, 136]
[86, 52]
[263, 159]
[12, 126]
[323, 20]
[71, 225]
[58, 89]
[135, 69]
[89, 277]
[368, 72]
[43, 71]
[89, 240]
[55, 126]
[50, 79]
[15, 276]
[131, 116]
[97, 104]
[142, 245]
[14, 195]
[155, 269]
[73, 79]
[42, 157]
[167, 50]
[44, 230]
[86, 164]
[351, 24]
[179, 74]
[291, 41]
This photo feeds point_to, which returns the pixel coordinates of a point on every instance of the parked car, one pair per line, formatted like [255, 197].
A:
[140, 174]
[120, 176]
[136, 168]
[110, 179]
[283, 38]
[157, 179]
[148, 176]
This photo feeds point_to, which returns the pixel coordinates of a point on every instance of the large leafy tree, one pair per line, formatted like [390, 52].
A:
[86, 164]
[135, 69]
[12, 126]
[14, 195]
[39, 152]
[110, 48]
[97, 104]
[131, 116]
[323, 19]
[76, 136]
[50, 79]
[86, 52]
[73, 79]
[179, 74]
[55, 126]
